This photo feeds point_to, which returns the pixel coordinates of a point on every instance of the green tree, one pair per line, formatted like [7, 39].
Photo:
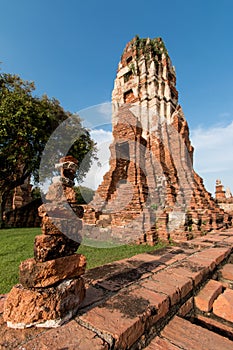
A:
[84, 195]
[27, 121]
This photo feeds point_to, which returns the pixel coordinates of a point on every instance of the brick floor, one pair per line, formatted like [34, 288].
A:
[12, 339]
[110, 320]
[183, 283]
[129, 301]
[70, 336]
[166, 288]
[205, 299]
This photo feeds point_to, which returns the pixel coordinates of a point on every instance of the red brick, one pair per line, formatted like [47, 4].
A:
[183, 283]
[223, 305]
[203, 262]
[188, 336]
[186, 308]
[161, 344]
[196, 272]
[227, 272]
[43, 274]
[11, 338]
[210, 258]
[159, 286]
[70, 336]
[218, 254]
[206, 297]
[157, 301]
[215, 325]
[118, 319]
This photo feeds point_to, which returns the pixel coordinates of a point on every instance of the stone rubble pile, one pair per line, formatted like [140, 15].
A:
[51, 287]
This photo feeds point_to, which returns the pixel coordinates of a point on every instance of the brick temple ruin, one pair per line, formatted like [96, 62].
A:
[21, 209]
[151, 191]
[224, 197]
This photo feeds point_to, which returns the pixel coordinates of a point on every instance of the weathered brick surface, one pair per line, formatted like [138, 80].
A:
[161, 344]
[215, 254]
[26, 307]
[196, 272]
[206, 297]
[13, 339]
[210, 257]
[114, 324]
[49, 247]
[214, 325]
[124, 316]
[223, 305]
[158, 305]
[186, 308]
[70, 336]
[44, 274]
[184, 284]
[92, 296]
[227, 272]
[146, 263]
[171, 290]
[188, 336]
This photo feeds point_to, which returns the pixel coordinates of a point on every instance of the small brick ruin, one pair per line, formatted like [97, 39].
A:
[21, 210]
[151, 191]
[224, 197]
[51, 287]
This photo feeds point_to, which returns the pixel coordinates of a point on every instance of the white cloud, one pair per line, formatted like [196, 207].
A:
[105, 109]
[101, 166]
[213, 156]
[96, 116]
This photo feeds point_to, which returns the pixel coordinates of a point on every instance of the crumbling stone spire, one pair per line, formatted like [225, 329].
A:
[51, 287]
[151, 190]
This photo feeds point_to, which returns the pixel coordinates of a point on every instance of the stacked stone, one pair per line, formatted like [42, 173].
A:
[51, 287]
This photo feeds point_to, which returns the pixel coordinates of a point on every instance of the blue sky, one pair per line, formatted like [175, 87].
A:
[71, 50]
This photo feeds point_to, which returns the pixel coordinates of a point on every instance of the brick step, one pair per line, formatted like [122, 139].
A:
[188, 336]
[214, 325]
[205, 299]
[129, 301]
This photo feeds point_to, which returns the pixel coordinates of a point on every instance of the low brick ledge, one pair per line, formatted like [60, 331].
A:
[129, 302]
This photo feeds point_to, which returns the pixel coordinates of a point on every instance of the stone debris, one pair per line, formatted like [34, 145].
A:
[51, 287]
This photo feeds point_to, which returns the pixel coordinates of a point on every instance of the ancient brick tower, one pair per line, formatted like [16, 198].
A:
[151, 190]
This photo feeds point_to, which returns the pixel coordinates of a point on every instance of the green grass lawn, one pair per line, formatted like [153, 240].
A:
[16, 245]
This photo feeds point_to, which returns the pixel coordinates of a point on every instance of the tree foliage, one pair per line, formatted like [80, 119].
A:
[27, 121]
[84, 195]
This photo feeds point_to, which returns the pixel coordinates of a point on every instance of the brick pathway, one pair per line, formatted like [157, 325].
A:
[180, 297]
